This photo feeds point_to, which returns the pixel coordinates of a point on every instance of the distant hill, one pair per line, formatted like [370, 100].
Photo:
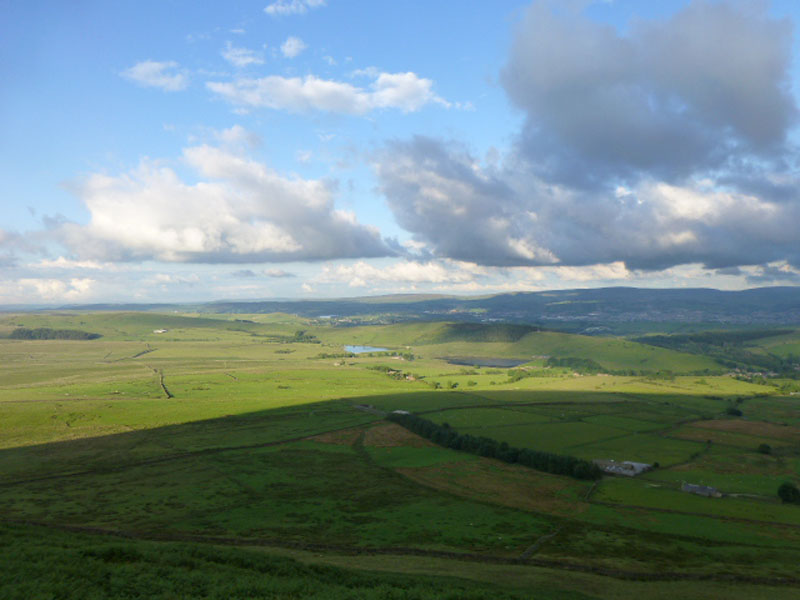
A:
[603, 310]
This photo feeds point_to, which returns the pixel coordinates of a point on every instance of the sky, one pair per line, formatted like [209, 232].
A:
[176, 151]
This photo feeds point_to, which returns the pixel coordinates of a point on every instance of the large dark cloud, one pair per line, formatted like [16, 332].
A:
[699, 91]
[663, 146]
[509, 217]
[766, 275]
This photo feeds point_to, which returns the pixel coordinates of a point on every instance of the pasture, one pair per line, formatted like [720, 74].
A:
[271, 437]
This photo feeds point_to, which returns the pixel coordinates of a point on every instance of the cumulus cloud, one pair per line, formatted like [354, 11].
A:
[243, 274]
[282, 8]
[271, 273]
[68, 264]
[404, 91]
[237, 138]
[164, 75]
[703, 89]
[292, 47]
[12, 243]
[55, 290]
[458, 210]
[363, 274]
[237, 211]
[278, 273]
[461, 209]
[771, 274]
[241, 57]
[666, 145]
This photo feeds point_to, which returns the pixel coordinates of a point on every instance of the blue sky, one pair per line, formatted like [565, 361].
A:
[176, 151]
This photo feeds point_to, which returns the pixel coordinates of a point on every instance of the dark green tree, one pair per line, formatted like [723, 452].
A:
[789, 493]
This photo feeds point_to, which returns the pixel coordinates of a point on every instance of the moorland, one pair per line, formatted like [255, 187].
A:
[166, 454]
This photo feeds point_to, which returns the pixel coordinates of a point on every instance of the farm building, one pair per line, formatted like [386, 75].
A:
[626, 467]
[701, 490]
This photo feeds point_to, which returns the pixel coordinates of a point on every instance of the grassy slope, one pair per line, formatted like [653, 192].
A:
[781, 345]
[438, 340]
[243, 390]
[40, 563]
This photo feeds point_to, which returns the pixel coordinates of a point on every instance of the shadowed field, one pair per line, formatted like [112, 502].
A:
[276, 440]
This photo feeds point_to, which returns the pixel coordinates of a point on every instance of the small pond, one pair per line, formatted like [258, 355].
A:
[364, 349]
[476, 361]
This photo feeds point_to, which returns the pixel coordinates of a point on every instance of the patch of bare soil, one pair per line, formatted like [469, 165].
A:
[507, 485]
[390, 435]
[755, 428]
[345, 437]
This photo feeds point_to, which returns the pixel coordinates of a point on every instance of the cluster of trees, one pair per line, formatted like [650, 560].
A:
[729, 349]
[789, 493]
[303, 336]
[446, 436]
[334, 355]
[710, 338]
[45, 333]
[394, 373]
[583, 365]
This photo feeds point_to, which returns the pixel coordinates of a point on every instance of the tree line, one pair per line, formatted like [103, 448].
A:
[45, 333]
[444, 435]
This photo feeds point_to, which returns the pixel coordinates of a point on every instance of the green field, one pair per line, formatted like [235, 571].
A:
[248, 456]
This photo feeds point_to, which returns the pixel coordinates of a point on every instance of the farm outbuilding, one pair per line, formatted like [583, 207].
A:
[701, 490]
[625, 467]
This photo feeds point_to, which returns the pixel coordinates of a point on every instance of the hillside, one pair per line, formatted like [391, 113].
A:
[253, 458]
[520, 342]
[603, 311]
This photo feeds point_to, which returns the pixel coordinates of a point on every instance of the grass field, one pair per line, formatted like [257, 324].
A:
[257, 459]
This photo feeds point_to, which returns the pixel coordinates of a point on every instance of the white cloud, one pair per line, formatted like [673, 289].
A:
[66, 263]
[237, 137]
[278, 273]
[404, 91]
[282, 8]
[292, 47]
[164, 75]
[239, 211]
[602, 272]
[241, 57]
[55, 290]
[363, 274]
[171, 279]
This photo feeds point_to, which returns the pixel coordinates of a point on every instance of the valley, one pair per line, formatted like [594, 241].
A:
[242, 442]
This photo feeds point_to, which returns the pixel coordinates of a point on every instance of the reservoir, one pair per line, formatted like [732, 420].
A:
[364, 349]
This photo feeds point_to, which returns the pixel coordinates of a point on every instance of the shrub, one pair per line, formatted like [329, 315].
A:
[789, 493]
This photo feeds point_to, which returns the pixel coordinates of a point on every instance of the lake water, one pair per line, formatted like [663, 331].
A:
[364, 349]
